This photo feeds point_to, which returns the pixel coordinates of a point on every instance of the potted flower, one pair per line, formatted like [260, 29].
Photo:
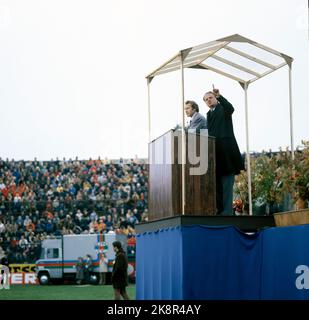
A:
[274, 177]
[296, 177]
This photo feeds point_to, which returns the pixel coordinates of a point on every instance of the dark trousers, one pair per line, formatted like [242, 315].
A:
[225, 194]
[87, 275]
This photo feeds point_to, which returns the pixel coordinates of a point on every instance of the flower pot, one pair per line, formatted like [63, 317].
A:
[292, 218]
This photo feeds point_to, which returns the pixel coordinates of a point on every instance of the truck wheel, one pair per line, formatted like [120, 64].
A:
[44, 278]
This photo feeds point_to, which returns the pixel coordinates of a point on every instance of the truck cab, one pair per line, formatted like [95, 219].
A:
[49, 266]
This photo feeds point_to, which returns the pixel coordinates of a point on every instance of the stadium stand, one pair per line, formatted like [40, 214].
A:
[44, 199]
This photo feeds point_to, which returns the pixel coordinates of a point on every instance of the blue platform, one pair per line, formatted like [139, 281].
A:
[222, 263]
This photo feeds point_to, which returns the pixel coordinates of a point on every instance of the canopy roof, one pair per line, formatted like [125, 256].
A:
[235, 57]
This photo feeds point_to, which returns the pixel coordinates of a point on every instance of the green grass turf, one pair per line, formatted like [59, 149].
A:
[58, 292]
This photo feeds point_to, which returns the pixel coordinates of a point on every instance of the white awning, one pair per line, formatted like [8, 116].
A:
[235, 57]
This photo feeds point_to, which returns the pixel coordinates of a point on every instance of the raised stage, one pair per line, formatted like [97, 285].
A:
[244, 223]
[221, 258]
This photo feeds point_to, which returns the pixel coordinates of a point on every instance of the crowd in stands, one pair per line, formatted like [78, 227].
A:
[44, 199]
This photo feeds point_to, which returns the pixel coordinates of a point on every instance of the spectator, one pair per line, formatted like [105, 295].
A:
[93, 216]
[2, 227]
[23, 242]
[88, 267]
[103, 269]
[79, 270]
[109, 223]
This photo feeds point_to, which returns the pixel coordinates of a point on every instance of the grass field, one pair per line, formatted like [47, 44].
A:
[58, 292]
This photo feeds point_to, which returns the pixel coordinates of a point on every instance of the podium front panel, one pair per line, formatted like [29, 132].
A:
[165, 177]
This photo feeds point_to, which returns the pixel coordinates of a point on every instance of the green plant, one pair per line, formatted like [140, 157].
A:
[275, 175]
[296, 179]
[266, 177]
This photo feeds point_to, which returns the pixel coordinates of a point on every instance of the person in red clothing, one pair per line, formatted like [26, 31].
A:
[30, 226]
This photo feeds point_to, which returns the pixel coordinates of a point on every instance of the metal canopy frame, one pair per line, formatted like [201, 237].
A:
[230, 57]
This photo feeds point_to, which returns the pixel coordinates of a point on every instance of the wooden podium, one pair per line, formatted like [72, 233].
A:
[165, 177]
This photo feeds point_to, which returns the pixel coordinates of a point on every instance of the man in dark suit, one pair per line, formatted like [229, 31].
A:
[197, 121]
[228, 158]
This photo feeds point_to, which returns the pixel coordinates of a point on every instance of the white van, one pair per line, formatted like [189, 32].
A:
[59, 256]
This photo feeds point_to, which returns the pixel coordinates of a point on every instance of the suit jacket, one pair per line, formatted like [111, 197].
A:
[220, 126]
[198, 122]
[119, 274]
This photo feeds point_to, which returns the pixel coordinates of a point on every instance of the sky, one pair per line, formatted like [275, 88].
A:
[72, 80]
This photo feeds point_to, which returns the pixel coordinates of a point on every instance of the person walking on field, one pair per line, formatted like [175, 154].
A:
[120, 272]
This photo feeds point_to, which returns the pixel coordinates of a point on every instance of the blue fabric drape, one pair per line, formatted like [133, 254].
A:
[200, 262]
[284, 249]
[220, 263]
[159, 256]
